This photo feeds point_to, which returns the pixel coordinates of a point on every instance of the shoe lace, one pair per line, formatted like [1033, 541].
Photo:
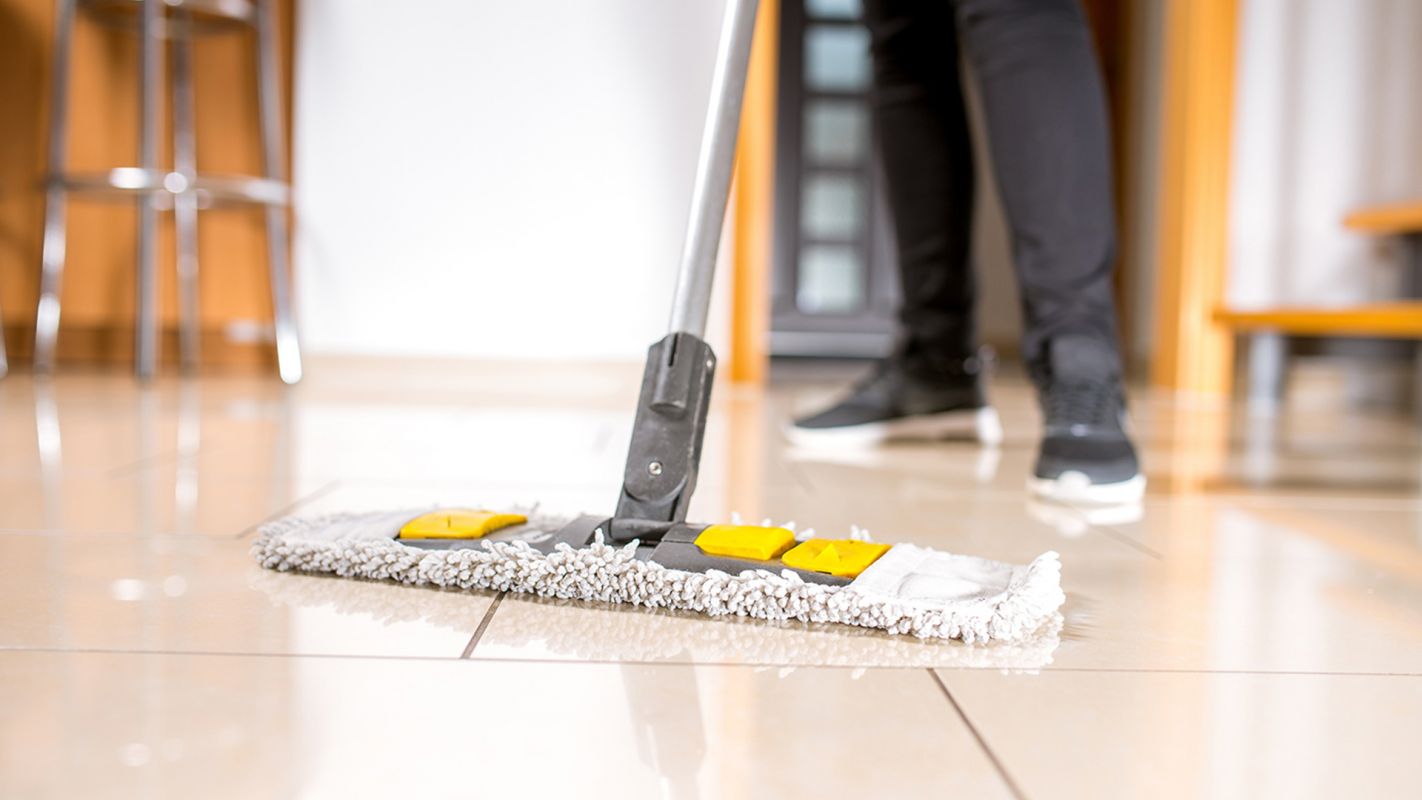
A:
[1080, 403]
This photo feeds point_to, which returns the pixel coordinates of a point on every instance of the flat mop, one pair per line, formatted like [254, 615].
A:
[646, 553]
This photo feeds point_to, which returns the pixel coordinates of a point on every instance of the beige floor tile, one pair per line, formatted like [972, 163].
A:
[361, 496]
[97, 424]
[1266, 588]
[202, 594]
[1388, 532]
[1363, 474]
[1285, 544]
[711, 504]
[163, 499]
[923, 510]
[228, 726]
[1225, 451]
[556, 446]
[460, 383]
[1170, 470]
[1183, 449]
[554, 630]
[1161, 735]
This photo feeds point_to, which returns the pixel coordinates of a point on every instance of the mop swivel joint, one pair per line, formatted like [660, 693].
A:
[665, 450]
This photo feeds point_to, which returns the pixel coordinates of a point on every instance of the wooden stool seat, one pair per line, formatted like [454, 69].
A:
[1400, 320]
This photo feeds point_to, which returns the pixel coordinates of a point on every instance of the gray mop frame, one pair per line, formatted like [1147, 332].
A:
[672, 405]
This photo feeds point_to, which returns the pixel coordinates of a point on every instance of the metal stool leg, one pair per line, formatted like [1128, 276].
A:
[185, 208]
[278, 233]
[1412, 244]
[4, 364]
[1268, 371]
[150, 122]
[52, 254]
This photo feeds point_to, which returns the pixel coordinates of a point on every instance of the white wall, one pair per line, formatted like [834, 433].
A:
[495, 179]
[1328, 116]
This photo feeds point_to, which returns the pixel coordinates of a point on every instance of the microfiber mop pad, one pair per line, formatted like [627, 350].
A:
[909, 590]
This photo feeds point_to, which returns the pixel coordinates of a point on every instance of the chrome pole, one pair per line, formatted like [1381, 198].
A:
[185, 204]
[714, 166]
[274, 161]
[52, 251]
[151, 120]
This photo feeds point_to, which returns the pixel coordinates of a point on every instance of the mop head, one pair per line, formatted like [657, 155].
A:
[909, 590]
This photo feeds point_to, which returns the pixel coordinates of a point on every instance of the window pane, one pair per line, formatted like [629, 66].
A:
[836, 132]
[833, 9]
[831, 279]
[836, 58]
[831, 207]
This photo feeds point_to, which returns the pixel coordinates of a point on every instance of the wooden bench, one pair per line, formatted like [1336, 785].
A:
[1269, 328]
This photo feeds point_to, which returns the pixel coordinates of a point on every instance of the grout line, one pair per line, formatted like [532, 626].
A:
[140, 464]
[1111, 533]
[483, 625]
[797, 474]
[290, 507]
[1026, 673]
[996, 762]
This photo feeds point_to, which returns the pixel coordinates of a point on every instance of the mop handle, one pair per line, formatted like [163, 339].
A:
[714, 166]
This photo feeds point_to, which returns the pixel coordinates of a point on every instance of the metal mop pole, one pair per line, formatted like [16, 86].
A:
[665, 451]
[713, 170]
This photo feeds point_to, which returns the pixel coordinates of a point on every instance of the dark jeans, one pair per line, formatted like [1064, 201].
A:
[1045, 115]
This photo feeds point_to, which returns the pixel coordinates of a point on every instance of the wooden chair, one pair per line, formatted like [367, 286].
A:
[1269, 329]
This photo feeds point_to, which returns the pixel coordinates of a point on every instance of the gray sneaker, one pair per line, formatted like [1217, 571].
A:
[1086, 455]
[906, 398]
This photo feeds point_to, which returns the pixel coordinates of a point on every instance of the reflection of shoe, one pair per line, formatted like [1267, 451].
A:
[1086, 455]
[983, 463]
[1072, 521]
[905, 398]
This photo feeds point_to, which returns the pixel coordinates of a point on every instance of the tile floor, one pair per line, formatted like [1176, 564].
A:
[1253, 629]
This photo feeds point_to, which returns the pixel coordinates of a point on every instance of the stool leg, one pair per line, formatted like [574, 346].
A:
[185, 209]
[150, 120]
[1268, 365]
[1412, 244]
[278, 233]
[52, 253]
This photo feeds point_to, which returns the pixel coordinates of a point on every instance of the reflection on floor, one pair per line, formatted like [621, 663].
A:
[1254, 628]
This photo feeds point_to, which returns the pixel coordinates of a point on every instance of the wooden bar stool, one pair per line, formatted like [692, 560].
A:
[183, 189]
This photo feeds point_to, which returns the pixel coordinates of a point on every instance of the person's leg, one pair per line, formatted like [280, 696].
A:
[1045, 113]
[927, 158]
[930, 385]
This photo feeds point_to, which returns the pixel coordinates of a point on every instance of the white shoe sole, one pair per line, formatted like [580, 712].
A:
[981, 424]
[1076, 487]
